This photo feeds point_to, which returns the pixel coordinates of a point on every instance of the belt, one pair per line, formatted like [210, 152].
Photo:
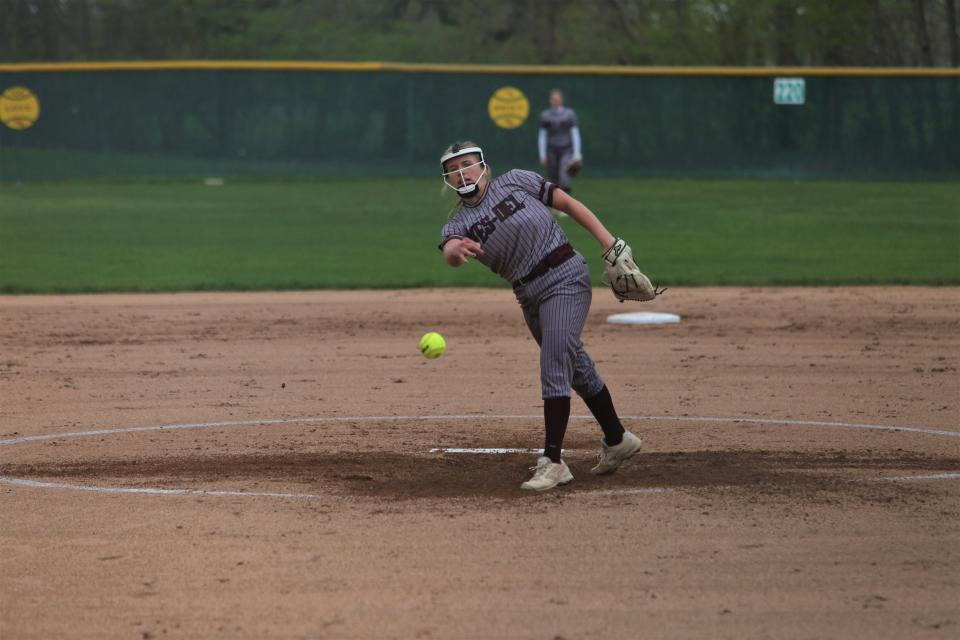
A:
[553, 259]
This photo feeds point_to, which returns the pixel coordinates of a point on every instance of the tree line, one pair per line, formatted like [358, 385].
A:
[895, 33]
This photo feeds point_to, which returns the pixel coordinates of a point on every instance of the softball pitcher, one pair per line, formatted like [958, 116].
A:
[505, 223]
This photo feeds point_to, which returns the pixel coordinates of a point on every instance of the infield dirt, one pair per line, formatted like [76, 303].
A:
[796, 521]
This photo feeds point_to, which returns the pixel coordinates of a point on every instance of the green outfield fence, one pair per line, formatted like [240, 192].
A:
[208, 118]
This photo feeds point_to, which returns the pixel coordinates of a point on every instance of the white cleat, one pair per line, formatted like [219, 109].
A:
[547, 475]
[611, 457]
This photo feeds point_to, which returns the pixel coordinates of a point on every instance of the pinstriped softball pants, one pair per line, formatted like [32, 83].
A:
[555, 307]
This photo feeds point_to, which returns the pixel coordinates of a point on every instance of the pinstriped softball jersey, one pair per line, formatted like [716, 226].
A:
[517, 230]
[512, 222]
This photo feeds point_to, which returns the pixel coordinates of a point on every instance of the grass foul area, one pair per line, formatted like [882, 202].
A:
[380, 233]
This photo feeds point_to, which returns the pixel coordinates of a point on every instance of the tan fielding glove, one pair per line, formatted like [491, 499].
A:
[626, 281]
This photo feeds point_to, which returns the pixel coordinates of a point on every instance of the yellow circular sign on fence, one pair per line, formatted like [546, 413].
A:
[19, 108]
[508, 107]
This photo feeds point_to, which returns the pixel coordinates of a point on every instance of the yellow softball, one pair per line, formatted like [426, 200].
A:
[432, 345]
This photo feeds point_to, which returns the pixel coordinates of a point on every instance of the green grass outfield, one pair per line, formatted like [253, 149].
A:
[380, 233]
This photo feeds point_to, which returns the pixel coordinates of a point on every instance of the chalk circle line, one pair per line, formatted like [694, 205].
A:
[23, 482]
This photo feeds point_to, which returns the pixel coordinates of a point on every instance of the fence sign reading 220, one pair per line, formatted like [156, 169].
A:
[789, 91]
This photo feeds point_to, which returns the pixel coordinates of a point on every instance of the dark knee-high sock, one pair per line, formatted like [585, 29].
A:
[601, 406]
[556, 413]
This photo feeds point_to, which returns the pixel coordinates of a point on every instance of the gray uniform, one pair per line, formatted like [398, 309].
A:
[558, 124]
[517, 230]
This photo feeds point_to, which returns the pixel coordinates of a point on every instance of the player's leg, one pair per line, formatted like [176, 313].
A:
[563, 174]
[590, 386]
[586, 381]
[601, 406]
[556, 392]
[562, 317]
[617, 443]
[554, 156]
[555, 324]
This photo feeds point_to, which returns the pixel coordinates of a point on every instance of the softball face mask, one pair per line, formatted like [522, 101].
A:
[469, 188]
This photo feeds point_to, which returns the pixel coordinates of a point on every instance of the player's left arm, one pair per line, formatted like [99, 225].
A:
[562, 201]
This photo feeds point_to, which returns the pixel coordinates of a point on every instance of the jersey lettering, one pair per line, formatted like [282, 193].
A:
[484, 228]
[507, 207]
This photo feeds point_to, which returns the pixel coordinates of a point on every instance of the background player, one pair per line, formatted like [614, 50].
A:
[559, 141]
[505, 223]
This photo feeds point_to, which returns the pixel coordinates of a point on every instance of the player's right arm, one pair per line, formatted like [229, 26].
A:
[456, 250]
